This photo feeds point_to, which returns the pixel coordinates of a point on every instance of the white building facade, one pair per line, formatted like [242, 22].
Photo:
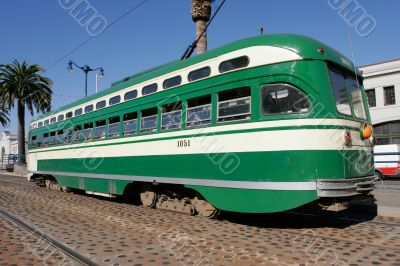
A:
[382, 86]
[8, 145]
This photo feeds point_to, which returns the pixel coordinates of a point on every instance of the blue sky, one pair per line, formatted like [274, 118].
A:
[43, 32]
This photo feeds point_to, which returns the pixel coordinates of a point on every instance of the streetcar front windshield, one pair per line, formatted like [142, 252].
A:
[347, 93]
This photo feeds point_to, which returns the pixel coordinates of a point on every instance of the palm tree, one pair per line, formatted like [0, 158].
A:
[4, 119]
[201, 11]
[22, 84]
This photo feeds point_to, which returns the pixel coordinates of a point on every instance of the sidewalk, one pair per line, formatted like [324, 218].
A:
[13, 174]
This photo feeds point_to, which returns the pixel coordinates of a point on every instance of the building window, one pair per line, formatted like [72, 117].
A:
[371, 97]
[389, 96]
[388, 133]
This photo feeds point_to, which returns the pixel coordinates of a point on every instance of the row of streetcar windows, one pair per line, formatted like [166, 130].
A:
[232, 105]
[204, 72]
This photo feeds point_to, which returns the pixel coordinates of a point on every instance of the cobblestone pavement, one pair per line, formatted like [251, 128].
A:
[116, 233]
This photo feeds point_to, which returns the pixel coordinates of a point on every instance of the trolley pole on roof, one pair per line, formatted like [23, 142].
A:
[86, 69]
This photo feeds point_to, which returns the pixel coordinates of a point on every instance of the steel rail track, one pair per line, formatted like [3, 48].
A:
[47, 238]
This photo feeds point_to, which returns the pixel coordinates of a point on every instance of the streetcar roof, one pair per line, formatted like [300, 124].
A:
[305, 47]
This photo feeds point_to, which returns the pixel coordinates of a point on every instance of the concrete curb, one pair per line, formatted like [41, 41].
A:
[13, 174]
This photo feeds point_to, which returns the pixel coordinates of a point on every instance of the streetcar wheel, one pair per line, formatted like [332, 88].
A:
[148, 196]
[204, 208]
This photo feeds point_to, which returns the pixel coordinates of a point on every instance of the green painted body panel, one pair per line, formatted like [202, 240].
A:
[260, 166]
[255, 201]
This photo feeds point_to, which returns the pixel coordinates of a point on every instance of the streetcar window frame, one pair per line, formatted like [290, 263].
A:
[233, 64]
[231, 99]
[149, 89]
[130, 95]
[199, 74]
[171, 116]
[172, 82]
[89, 108]
[149, 115]
[114, 124]
[101, 104]
[100, 128]
[114, 100]
[78, 112]
[86, 128]
[127, 119]
[303, 98]
[194, 106]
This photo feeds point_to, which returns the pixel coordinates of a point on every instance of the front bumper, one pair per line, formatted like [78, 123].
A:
[329, 188]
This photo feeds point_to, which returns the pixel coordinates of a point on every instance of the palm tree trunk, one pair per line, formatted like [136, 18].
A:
[21, 132]
[202, 44]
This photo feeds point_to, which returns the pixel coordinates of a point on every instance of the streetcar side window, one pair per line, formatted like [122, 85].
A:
[78, 133]
[149, 89]
[171, 117]
[232, 64]
[172, 82]
[60, 137]
[78, 111]
[130, 95]
[68, 115]
[53, 120]
[40, 124]
[88, 131]
[199, 73]
[89, 109]
[39, 140]
[283, 99]
[338, 82]
[100, 130]
[60, 118]
[114, 100]
[33, 141]
[113, 127]
[52, 138]
[68, 135]
[46, 139]
[148, 120]
[46, 122]
[130, 124]
[101, 104]
[198, 111]
[234, 104]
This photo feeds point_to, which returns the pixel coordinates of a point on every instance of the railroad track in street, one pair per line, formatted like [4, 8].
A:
[71, 253]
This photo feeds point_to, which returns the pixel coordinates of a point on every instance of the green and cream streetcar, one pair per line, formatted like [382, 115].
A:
[264, 124]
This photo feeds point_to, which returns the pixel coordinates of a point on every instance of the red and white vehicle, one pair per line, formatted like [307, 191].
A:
[387, 160]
